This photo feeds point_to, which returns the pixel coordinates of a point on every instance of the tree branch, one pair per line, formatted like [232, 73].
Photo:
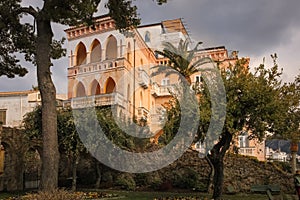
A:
[28, 10]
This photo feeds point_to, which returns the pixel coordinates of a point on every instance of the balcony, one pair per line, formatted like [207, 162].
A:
[143, 78]
[247, 151]
[143, 113]
[98, 100]
[100, 66]
[163, 90]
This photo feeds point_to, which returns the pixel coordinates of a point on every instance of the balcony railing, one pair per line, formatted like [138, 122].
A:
[143, 78]
[163, 90]
[98, 100]
[143, 113]
[101, 66]
[247, 151]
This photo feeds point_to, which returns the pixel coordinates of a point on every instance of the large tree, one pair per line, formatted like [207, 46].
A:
[35, 41]
[289, 127]
[254, 104]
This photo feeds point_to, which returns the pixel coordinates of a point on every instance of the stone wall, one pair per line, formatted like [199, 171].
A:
[15, 145]
[241, 172]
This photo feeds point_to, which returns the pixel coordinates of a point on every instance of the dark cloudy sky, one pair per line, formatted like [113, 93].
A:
[256, 28]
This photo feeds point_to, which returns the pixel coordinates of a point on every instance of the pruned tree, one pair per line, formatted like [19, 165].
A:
[254, 104]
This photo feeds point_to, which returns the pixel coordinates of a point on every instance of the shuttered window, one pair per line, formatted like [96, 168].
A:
[3, 117]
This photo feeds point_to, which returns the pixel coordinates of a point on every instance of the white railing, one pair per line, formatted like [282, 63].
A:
[143, 78]
[143, 112]
[98, 100]
[101, 65]
[163, 90]
[247, 151]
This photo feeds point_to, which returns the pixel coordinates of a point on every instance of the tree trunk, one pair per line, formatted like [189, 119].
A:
[74, 172]
[294, 162]
[294, 150]
[99, 177]
[210, 184]
[50, 155]
[217, 159]
[218, 178]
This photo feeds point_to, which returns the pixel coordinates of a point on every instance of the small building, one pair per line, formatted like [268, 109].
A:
[14, 105]
[250, 147]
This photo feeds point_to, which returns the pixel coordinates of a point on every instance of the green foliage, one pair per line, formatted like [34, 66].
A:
[288, 126]
[254, 100]
[172, 121]
[185, 178]
[126, 181]
[69, 140]
[32, 123]
[124, 14]
[180, 59]
[68, 137]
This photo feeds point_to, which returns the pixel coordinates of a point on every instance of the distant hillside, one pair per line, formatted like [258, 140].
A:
[283, 145]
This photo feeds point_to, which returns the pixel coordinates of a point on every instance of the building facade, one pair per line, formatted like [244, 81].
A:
[108, 68]
[14, 105]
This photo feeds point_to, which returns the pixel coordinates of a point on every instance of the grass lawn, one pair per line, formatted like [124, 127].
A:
[4, 195]
[124, 195]
[152, 195]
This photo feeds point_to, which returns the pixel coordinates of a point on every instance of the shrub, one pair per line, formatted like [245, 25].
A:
[126, 181]
[186, 178]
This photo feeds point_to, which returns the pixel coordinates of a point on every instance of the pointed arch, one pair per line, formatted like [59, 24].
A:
[95, 88]
[80, 90]
[110, 86]
[111, 48]
[81, 54]
[96, 51]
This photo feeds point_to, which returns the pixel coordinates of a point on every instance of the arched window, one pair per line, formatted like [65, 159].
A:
[110, 86]
[95, 88]
[96, 51]
[80, 90]
[111, 48]
[147, 36]
[80, 54]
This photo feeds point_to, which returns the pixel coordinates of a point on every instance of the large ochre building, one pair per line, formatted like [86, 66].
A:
[109, 68]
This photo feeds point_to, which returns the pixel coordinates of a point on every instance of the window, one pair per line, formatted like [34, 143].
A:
[243, 140]
[197, 78]
[165, 81]
[147, 37]
[3, 117]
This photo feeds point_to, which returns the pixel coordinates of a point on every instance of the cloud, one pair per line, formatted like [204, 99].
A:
[255, 28]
